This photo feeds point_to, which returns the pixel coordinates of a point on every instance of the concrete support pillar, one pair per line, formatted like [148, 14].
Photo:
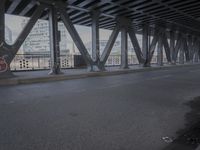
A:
[124, 48]
[172, 47]
[54, 41]
[146, 45]
[160, 52]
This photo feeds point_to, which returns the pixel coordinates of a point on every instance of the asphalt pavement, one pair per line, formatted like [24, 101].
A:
[140, 111]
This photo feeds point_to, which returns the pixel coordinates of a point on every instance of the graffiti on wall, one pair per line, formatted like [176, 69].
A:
[3, 65]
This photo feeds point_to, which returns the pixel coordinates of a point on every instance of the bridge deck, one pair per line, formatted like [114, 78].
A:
[132, 111]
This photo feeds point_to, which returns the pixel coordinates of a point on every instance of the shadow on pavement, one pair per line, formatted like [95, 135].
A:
[189, 137]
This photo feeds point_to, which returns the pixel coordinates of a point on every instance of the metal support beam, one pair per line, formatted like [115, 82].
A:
[136, 45]
[13, 6]
[181, 53]
[124, 48]
[36, 15]
[2, 22]
[95, 36]
[172, 46]
[160, 51]
[54, 41]
[198, 52]
[5, 54]
[194, 45]
[74, 34]
[109, 45]
[177, 47]
[95, 42]
[190, 47]
[146, 45]
[27, 8]
[145, 40]
[166, 46]
[153, 44]
[8, 52]
[196, 56]
[186, 49]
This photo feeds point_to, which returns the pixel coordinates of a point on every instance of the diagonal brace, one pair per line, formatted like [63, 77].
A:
[74, 34]
[136, 45]
[109, 45]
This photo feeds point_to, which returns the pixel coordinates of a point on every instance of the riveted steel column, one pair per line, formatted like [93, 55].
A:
[74, 34]
[177, 47]
[186, 49]
[136, 45]
[196, 57]
[124, 48]
[95, 42]
[2, 22]
[181, 53]
[154, 42]
[172, 46]
[5, 53]
[146, 45]
[54, 41]
[194, 43]
[109, 45]
[198, 52]
[190, 47]
[160, 52]
[95, 35]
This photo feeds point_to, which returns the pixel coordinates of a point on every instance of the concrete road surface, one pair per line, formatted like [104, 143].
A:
[140, 111]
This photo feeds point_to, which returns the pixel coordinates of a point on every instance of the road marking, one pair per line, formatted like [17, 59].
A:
[160, 77]
[194, 70]
[165, 70]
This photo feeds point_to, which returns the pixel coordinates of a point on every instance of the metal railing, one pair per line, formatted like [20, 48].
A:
[39, 62]
[42, 61]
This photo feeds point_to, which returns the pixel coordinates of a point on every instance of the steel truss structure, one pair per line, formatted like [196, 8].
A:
[172, 26]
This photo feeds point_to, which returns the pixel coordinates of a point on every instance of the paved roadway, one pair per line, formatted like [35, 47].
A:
[124, 112]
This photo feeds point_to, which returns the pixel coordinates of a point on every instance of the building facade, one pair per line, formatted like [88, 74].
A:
[8, 35]
[38, 41]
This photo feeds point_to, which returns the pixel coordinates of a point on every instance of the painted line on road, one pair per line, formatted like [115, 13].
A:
[194, 70]
[160, 77]
[165, 70]
[129, 83]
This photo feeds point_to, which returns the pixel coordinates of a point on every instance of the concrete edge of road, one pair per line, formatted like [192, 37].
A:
[51, 78]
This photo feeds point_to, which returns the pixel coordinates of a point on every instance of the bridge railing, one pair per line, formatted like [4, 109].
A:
[42, 61]
[38, 62]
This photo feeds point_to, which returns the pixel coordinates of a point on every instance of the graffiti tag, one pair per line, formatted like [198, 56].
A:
[3, 65]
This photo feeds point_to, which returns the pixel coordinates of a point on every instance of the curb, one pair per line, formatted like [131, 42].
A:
[52, 78]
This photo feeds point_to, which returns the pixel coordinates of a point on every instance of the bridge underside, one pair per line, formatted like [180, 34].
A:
[173, 26]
